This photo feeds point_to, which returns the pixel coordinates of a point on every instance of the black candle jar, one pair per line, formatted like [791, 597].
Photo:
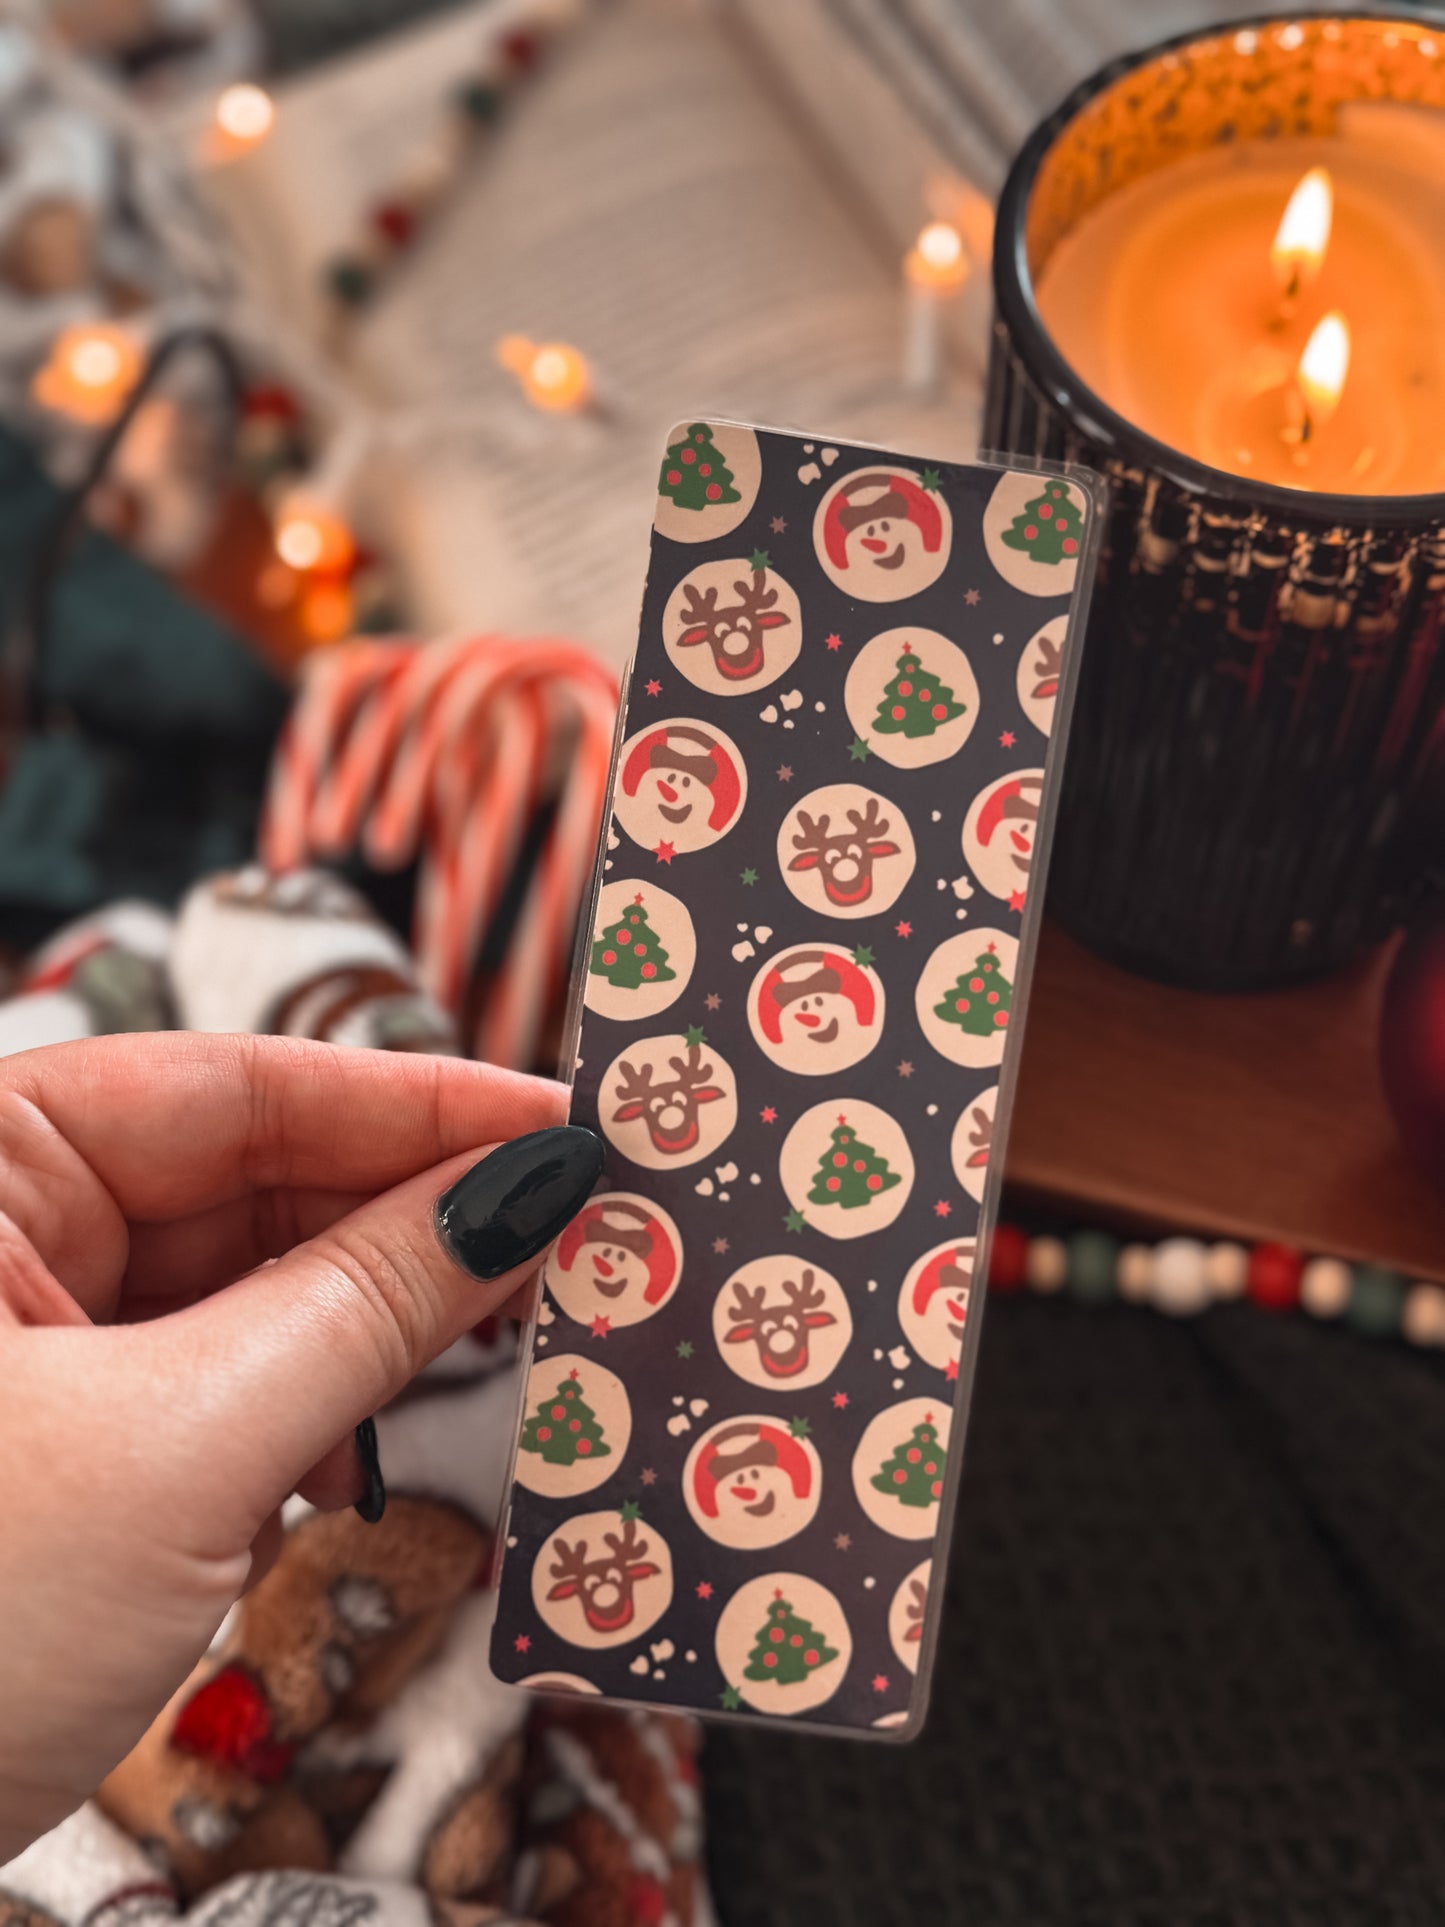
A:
[1255, 784]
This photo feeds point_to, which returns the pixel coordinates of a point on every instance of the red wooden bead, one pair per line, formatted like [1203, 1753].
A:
[1006, 1258]
[394, 220]
[1274, 1276]
[520, 50]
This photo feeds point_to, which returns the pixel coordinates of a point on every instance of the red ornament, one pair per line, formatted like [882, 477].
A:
[1274, 1276]
[1412, 1045]
[1006, 1258]
[395, 221]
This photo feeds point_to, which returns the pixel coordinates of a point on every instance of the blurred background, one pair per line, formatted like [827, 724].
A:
[337, 342]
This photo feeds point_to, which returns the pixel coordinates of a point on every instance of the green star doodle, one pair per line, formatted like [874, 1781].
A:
[629, 1511]
[694, 1034]
[858, 750]
[863, 956]
[800, 1428]
[731, 1699]
[759, 559]
[794, 1221]
[929, 478]
[750, 877]
[684, 1348]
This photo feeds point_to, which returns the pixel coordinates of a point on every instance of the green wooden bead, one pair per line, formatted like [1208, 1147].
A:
[480, 102]
[1377, 1301]
[350, 281]
[1093, 1258]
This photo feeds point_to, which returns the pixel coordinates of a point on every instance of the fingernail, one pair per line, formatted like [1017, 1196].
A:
[515, 1202]
[372, 1502]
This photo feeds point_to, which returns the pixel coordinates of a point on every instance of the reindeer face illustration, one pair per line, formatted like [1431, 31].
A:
[972, 1143]
[883, 533]
[1039, 671]
[845, 851]
[602, 1579]
[667, 1101]
[907, 1615]
[752, 1482]
[732, 627]
[781, 1325]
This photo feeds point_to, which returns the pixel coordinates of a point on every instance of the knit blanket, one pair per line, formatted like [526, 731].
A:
[343, 1755]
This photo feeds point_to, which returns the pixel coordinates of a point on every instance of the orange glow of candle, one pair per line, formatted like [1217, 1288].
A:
[310, 535]
[1323, 368]
[936, 259]
[91, 369]
[554, 376]
[1298, 251]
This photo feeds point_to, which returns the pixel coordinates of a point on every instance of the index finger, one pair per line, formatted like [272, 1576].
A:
[179, 1121]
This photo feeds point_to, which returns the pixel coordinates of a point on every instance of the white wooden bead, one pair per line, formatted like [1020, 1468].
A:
[1047, 1264]
[1324, 1287]
[1226, 1266]
[1178, 1281]
[1423, 1319]
[1136, 1263]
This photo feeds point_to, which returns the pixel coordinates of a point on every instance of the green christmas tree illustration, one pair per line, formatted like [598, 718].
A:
[850, 1173]
[1047, 528]
[564, 1427]
[787, 1647]
[914, 1474]
[628, 953]
[913, 702]
[694, 474]
[979, 1001]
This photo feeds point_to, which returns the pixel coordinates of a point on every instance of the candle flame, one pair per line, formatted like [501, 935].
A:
[1298, 251]
[1324, 366]
[554, 376]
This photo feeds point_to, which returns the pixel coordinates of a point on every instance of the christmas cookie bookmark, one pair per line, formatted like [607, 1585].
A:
[802, 980]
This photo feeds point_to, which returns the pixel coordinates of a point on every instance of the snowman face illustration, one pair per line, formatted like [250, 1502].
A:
[733, 627]
[603, 1578]
[749, 1482]
[680, 787]
[668, 1101]
[846, 851]
[933, 1304]
[972, 1142]
[812, 1009]
[999, 833]
[619, 1260]
[883, 533]
[1040, 670]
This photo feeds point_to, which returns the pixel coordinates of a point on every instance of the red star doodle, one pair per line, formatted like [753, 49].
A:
[768, 1114]
[1016, 900]
[638, 897]
[704, 1590]
[835, 641]
[601, 1325]
[522, 1644]
[950, 1371]
[943, 1209]
[904, 929]
[654, 688]
[880, 1682]
[1007, 740]
[840, 1401]
[664, 852]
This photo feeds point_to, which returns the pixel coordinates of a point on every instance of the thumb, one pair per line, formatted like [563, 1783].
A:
[287, 1361]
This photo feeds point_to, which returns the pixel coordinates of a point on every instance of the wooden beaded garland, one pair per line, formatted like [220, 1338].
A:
[1182, 1277]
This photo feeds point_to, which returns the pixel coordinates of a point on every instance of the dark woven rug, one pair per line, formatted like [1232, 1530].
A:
[1193, 1667]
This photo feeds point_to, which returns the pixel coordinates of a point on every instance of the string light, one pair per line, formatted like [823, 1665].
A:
[310, 535]
[91, 368]
[554, 376]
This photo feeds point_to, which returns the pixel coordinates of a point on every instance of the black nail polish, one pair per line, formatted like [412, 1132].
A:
[515, 1202]
[372, 1502]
